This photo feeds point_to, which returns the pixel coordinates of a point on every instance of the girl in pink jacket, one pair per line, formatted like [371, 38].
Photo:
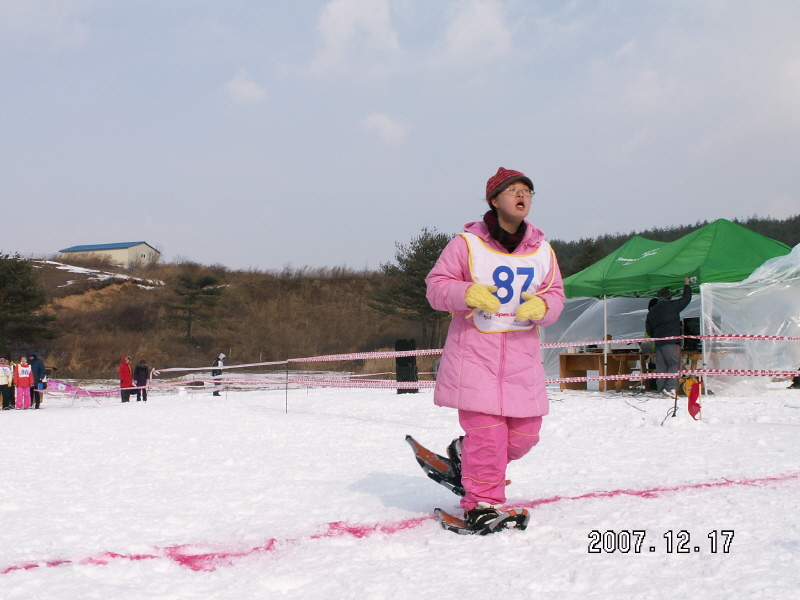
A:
[23, 380]
[501, 281]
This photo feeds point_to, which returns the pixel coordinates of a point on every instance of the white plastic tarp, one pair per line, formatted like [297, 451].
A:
[766, 303]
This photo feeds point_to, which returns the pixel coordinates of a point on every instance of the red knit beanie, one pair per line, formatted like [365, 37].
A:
[503, 178]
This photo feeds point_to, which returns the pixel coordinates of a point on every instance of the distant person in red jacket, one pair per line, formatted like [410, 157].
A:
[23, 380]
[126, 378]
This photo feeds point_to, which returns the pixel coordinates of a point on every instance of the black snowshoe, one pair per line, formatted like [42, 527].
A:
[444, 471]
[483, 520]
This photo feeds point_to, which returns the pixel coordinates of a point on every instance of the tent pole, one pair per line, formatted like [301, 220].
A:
[606, 346]
[704, 343]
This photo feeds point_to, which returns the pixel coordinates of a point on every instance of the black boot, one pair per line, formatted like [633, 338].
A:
[485, 519]
[454, 454]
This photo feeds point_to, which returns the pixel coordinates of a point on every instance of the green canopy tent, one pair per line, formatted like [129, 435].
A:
[721, 251]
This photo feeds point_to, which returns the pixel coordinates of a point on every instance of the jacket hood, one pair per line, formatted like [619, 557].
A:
[122, 362]
[533, 235]
[31, 353]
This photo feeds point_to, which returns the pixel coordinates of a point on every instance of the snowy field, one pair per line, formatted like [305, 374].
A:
[192, 496]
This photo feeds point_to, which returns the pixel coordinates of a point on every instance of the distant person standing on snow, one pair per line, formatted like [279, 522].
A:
[216, 373]
[39, 377]
[125, 378]
[23, 380]
[664, 320]
[6, 381]
[500, 279]
[140, 376]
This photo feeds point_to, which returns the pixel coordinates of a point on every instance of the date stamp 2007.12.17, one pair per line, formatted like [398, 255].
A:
[636, 541]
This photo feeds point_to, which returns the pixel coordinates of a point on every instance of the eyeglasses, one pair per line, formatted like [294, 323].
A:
[517, 191]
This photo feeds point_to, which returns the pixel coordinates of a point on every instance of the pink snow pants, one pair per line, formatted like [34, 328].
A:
[490, 443]
[23, 397]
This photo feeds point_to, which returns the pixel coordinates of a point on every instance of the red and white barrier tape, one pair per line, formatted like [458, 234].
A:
[348, 382]
[722, 336]
[157, 372]
[433, 351]
[367, 355]
[386, 384]
[700, 372]
[355, 381]
[363, 383]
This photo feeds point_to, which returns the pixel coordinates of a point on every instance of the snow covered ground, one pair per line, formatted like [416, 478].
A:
[192, 496]
[95, 274]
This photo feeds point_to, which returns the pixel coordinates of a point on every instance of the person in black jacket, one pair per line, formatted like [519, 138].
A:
[664, 320]
[39, 377]
[140, 375]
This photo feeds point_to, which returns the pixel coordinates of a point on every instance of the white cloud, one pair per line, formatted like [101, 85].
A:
[723, 81]
[244, 90]
[355, 33]
[59, 23]
[386, 128]
[477, 34]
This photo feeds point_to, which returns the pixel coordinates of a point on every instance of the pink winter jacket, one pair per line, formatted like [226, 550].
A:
[493, 373]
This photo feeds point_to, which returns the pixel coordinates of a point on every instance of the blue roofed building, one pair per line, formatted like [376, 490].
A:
[122, 253]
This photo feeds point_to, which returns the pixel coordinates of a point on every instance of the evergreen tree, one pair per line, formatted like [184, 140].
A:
[403, 290]
[21, 301]
[197, 294]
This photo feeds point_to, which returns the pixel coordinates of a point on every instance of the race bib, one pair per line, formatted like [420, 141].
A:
[512, 274]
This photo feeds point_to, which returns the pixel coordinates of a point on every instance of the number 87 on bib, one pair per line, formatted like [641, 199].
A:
[512, 274]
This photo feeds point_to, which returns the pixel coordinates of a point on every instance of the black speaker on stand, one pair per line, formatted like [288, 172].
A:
[406, 366]
[691, 326]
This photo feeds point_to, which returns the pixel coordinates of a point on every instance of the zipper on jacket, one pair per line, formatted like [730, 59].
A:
[502, 371]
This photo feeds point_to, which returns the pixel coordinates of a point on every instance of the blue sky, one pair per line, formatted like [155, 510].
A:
[266, 134]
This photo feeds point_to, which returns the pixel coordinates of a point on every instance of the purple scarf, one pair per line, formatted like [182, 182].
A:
[509, 241]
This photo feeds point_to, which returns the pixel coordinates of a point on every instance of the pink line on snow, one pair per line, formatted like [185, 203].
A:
[191, 556]
[659, 491]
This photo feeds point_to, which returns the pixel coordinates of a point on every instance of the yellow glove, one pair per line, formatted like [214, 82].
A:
[480, 296]
[533, 308]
